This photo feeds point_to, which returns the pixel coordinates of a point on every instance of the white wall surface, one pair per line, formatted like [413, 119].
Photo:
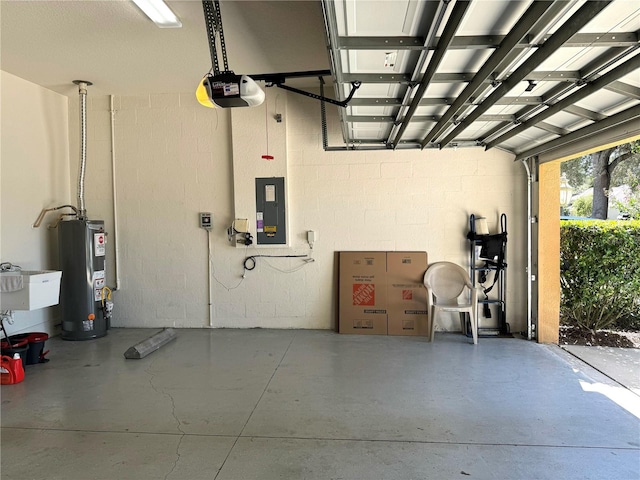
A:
[174, 159]
[34, 174]
[266, 137]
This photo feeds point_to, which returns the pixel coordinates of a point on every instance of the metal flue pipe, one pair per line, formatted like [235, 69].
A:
[82, 90]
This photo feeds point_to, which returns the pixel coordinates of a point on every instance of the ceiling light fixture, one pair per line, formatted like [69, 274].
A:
[159, 12]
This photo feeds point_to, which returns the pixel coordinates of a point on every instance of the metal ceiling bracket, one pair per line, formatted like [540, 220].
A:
[278, 79]
[340, 103]
[624, 89]
[585, 14]
[213, 21]
[438, 17]
[609, 77]
[507, 64]
[457, 14]
[622, 118]
[560, 90]
[466, 42]
[281, 77]
[517, 33]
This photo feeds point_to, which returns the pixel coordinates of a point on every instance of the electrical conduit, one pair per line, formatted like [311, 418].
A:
[529, 251]
[115, 197]
[209, 277]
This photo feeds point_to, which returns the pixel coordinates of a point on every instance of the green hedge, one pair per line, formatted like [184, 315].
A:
[600, 273]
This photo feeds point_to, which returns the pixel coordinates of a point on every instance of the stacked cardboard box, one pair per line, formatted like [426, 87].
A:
[406, 293]
[382, 293]
[363, 293]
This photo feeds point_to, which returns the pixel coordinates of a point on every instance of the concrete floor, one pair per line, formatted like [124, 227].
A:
[290, 404]
[621, 364]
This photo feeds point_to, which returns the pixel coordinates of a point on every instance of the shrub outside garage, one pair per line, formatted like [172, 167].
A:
[600, 275]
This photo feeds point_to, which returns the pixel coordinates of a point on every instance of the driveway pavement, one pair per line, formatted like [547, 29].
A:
[619, 364]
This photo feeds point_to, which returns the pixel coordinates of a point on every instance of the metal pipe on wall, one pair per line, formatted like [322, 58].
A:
[82, 90]
[209, 277]
[529, 251]
[115, 197]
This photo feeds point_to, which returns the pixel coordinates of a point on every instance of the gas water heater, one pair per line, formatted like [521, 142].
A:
[86, 306]
[82, 246]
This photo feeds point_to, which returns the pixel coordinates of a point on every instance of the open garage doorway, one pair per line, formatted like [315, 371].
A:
[546, 219]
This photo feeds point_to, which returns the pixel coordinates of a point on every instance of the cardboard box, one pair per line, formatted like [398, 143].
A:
[406, 294]
[362, 297]
[382, 293]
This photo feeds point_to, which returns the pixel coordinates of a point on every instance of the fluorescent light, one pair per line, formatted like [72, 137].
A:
[159, 12]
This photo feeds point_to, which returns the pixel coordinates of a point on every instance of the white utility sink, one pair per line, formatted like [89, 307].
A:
[29, 289]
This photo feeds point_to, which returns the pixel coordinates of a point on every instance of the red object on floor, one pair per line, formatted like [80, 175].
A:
[11, 370]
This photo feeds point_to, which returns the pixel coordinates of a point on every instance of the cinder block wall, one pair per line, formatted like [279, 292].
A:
[174, 159]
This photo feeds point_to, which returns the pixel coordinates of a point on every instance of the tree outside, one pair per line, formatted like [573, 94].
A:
[604, 171]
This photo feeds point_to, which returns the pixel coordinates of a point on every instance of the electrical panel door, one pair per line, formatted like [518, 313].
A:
[270, 211]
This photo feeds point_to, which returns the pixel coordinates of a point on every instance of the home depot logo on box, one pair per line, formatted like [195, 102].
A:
[407, 294]
[364, 294]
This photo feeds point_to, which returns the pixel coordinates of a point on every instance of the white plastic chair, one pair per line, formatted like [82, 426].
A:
[445, 282]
